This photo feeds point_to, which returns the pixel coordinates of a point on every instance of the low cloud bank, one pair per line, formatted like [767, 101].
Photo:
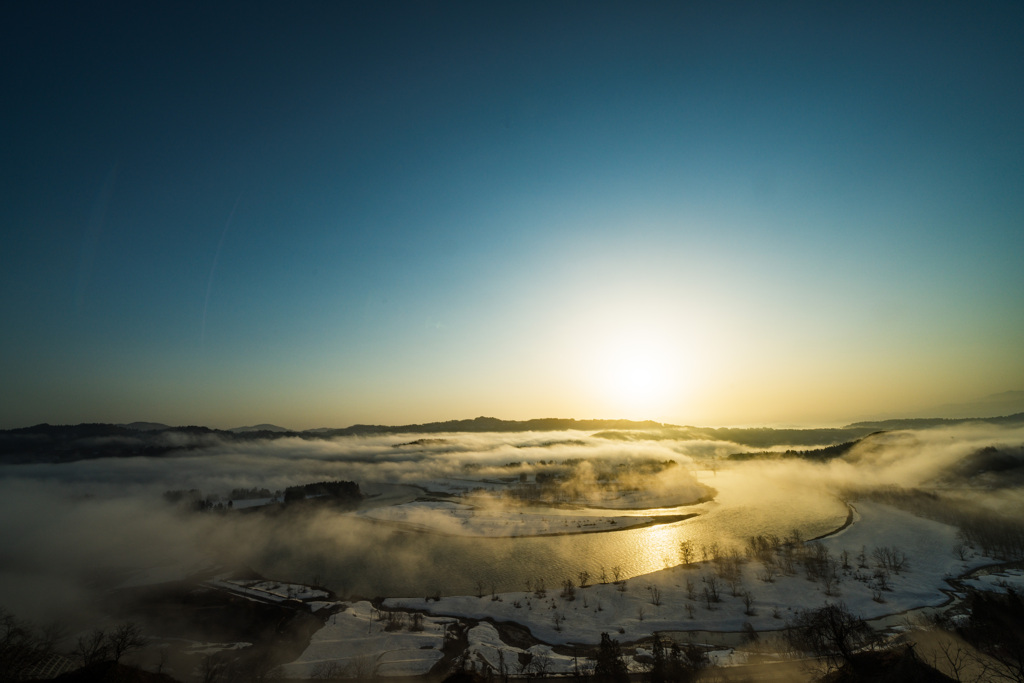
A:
[70, 531]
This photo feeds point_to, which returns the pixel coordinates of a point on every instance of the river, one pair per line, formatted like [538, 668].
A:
[375, 559]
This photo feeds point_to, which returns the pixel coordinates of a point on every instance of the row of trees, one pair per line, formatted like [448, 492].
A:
[345, 492]
[23, 646]
[337, 491]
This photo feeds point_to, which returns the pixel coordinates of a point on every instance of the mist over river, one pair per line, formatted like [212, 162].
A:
[369, 559]
[72, 532]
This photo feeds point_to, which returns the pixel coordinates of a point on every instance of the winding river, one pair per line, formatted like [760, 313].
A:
[372, 559]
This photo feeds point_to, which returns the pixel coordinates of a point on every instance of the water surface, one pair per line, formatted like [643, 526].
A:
[375, 559]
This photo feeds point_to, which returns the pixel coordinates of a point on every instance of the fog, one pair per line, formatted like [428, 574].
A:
[70, 532]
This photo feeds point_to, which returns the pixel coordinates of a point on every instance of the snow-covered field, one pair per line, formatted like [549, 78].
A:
[659, 602]
[998, 581]
[272, 591]
[629, 609]
[488, 651]
[356, 643]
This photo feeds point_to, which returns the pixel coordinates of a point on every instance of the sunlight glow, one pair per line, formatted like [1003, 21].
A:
[638, 375]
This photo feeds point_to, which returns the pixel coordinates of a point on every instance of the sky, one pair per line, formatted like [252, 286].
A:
[320, 214]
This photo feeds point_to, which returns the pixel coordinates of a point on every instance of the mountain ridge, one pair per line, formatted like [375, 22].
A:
[48, 443]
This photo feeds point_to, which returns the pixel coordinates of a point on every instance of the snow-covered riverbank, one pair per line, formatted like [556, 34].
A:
[630, 606]
[672, 600]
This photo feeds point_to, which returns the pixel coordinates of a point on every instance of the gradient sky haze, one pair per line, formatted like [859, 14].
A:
[326, 213]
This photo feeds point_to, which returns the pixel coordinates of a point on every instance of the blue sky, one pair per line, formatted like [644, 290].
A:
[325, 213]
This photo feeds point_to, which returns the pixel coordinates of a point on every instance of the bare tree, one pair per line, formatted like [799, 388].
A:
[711, 587]
[890, 558]
[995, 628]
[708, 599]
[393, 621]
[539, 666]
[748, 604]
[328, 671]
[714, 552]
[830, 577]
[22, 646]
[686, 551]
[830, 633]
[951, 657]
[93, 648]
[124, 639]
[735, 580]
[363, 667]
[655, 595]
[212, 670]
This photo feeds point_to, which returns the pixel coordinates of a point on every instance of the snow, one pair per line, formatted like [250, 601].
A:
[317, 605]
[273, 591]
[356, 641]
[607, 607]
[998, 581]
[466, 520]
[929, 548]
[487, 651]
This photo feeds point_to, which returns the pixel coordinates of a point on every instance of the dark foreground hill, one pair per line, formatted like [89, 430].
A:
[112, 672]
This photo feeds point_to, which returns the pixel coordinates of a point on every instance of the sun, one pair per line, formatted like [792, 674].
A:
[635, 378]
[638, 378]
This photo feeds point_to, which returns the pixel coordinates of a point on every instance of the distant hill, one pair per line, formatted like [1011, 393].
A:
[67, 443]
[146, 426]
[259, 428]
[755, 437]
[929, 422]
[493, 424]
[818, 454]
